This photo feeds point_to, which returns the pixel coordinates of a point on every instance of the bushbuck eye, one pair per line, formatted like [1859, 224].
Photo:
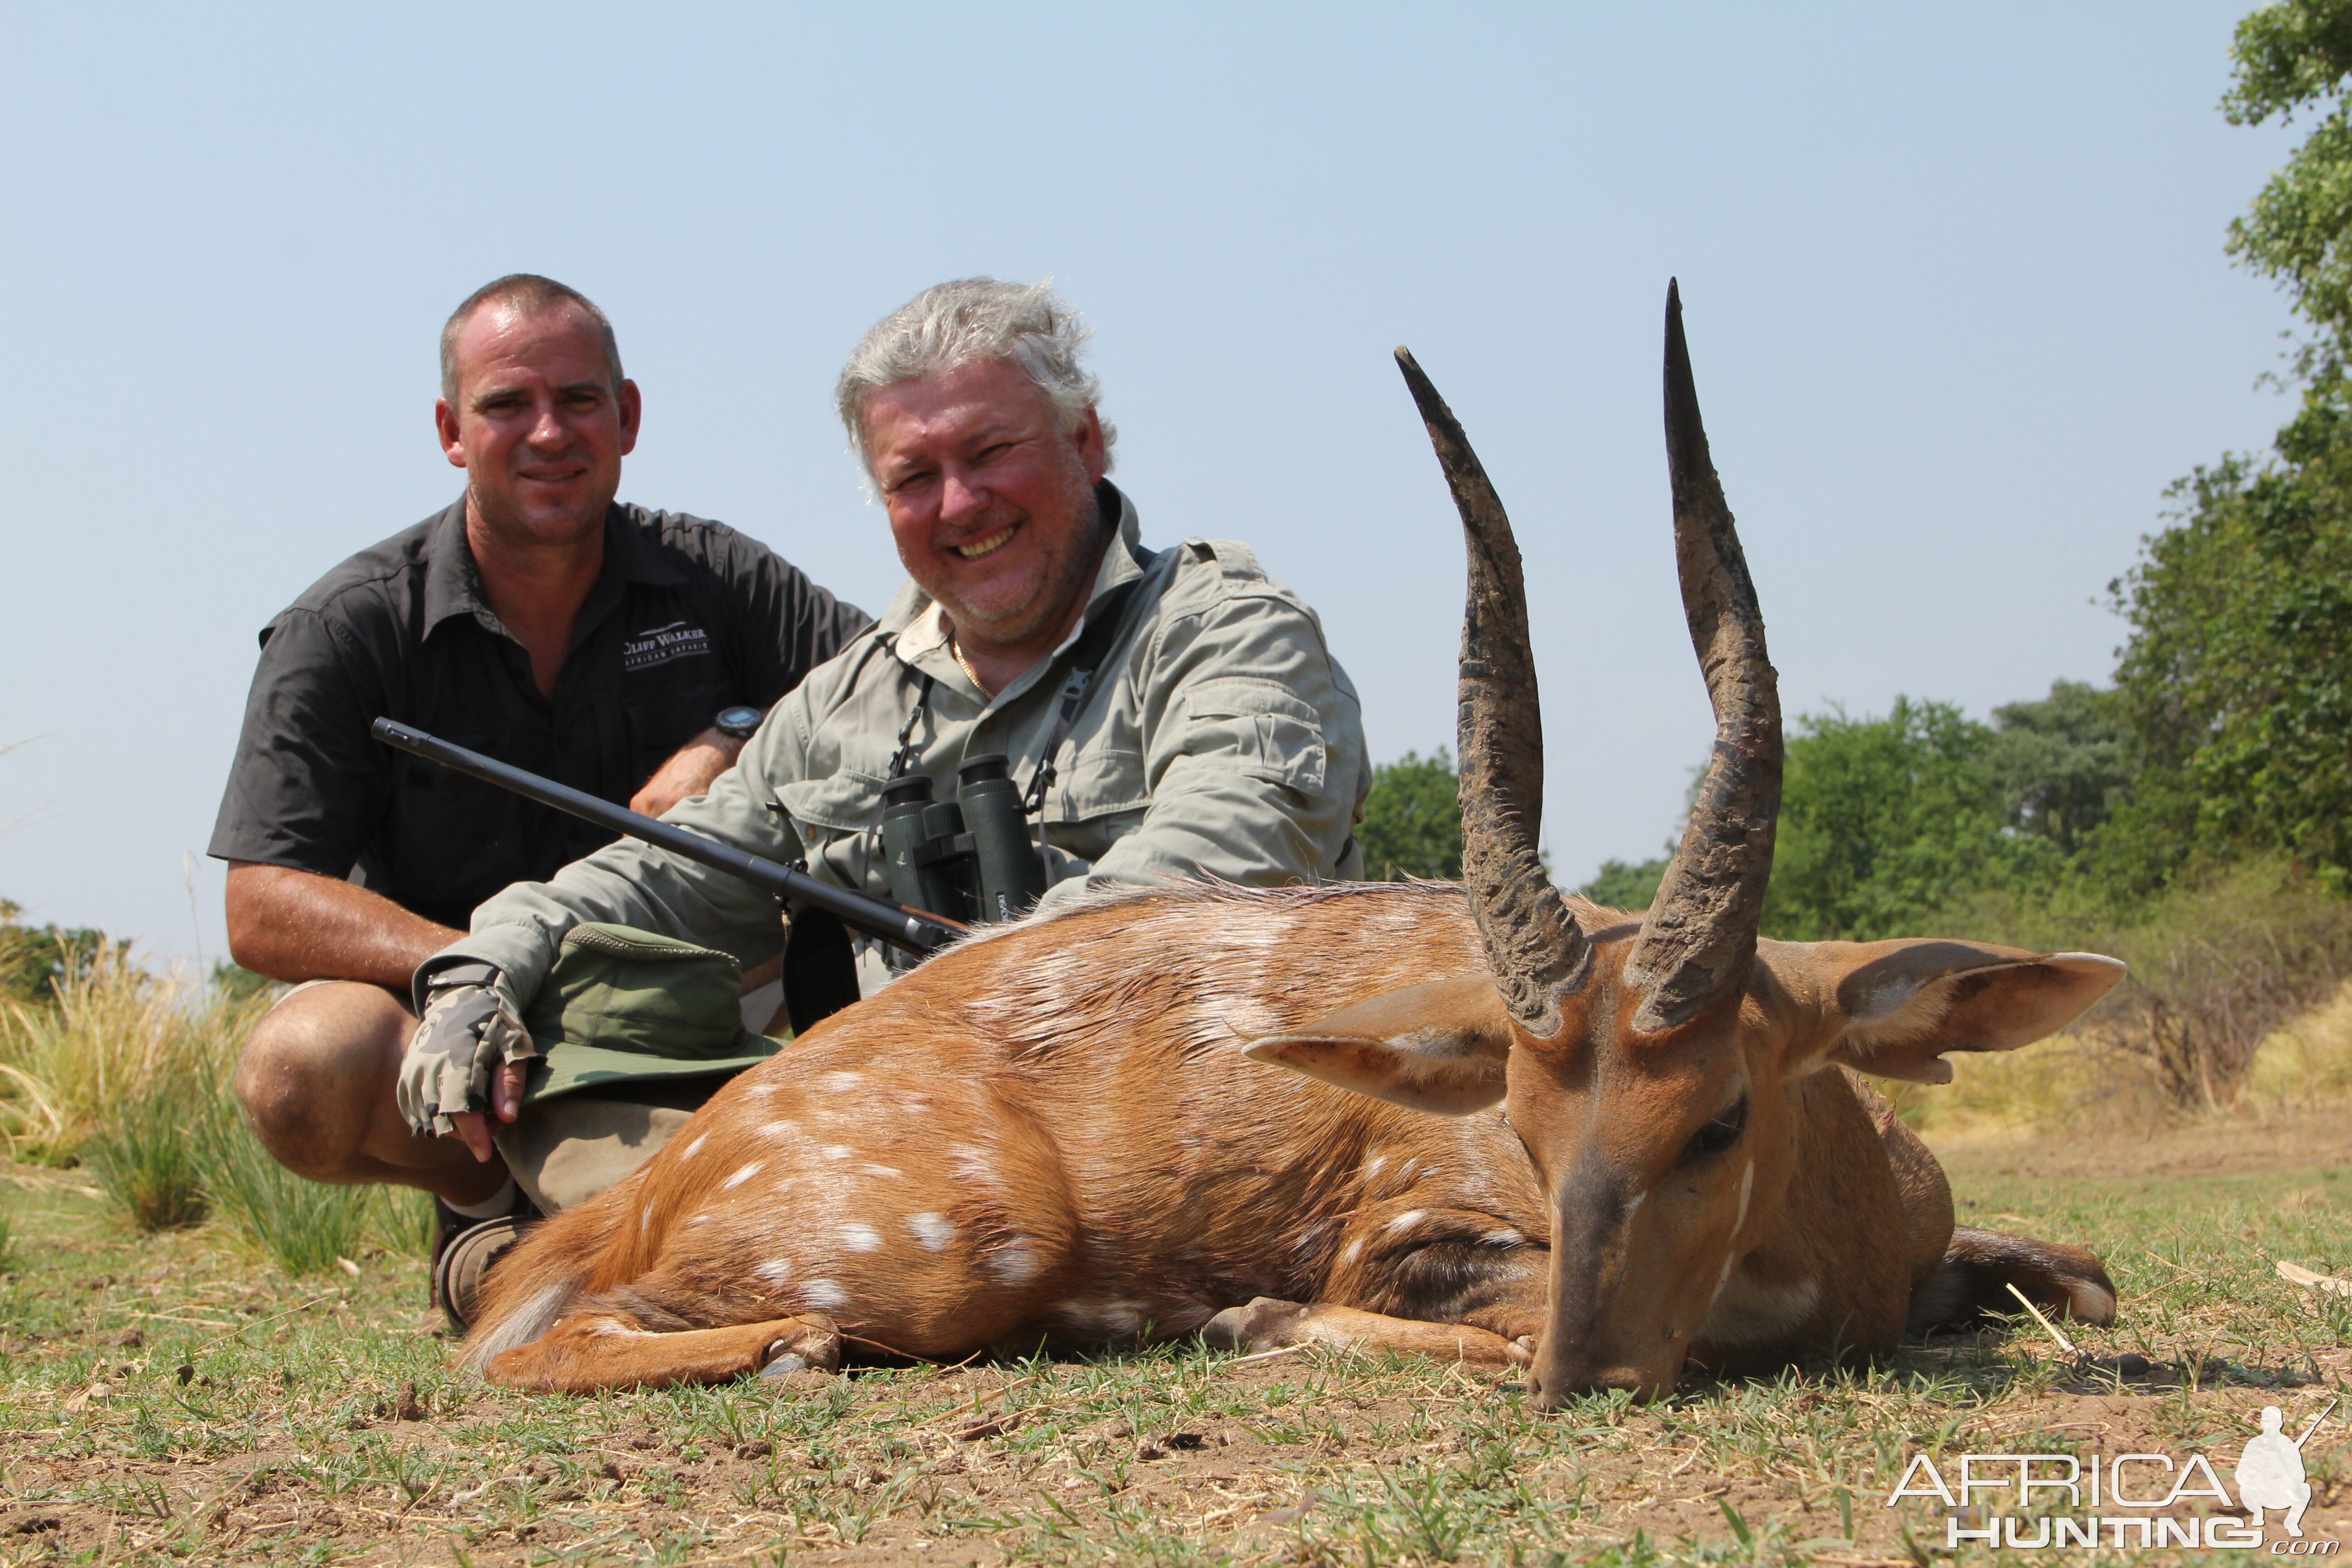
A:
[1718, 1134]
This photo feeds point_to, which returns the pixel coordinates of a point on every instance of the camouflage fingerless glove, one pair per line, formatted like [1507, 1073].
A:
[467, 1029]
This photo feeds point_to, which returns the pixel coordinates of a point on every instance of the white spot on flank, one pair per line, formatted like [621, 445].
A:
[761, 1089]
[860, 1239]
[972, 1165]
[1013, 1265]
[933, 1230]
[840, 1082]
[691, 1150]
[739, 1177]
[780, 1129]
[1404, 1221]
[1747, 1185]
[882, 1171]
[1372, 1166]
[836, 1151]
[824, 1293]
[699, 1219]
[1113, 1319]
[776, 1270]
[1355, 1250]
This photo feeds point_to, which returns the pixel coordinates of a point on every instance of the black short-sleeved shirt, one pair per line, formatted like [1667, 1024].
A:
[686, 617]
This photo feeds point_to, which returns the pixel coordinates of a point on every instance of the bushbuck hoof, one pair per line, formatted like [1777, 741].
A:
[814, 1347]
[1266, 1324]
[1974, 1280]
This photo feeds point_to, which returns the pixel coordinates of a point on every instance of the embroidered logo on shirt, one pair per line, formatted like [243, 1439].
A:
[663, 644]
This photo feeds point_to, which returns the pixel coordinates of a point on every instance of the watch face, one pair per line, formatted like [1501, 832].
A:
[738, 722]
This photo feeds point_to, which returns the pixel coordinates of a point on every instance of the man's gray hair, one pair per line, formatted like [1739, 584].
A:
[967, 321]
[526, 294]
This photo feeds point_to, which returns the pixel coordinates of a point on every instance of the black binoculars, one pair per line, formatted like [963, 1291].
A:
[970, 859]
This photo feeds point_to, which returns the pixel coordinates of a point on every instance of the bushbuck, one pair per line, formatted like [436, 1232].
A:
[1485, 1121]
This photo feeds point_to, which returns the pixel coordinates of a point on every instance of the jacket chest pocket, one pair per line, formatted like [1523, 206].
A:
[830, 808]
[1099, 787]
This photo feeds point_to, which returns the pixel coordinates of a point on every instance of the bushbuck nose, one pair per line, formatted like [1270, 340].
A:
[1552, 1382]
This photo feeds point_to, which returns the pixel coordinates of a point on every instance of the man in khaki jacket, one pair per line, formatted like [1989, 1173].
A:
[1218, 737]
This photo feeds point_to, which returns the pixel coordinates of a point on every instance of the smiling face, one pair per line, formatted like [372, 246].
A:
[538, 425]
[991, 502]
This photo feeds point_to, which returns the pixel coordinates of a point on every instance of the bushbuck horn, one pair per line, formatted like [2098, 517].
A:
[1534, 947]
[1699, 937]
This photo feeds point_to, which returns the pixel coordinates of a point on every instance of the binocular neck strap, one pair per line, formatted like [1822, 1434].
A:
[903, 757]
[1094, 646]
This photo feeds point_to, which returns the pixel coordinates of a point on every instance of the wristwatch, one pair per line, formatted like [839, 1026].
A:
[737, 722]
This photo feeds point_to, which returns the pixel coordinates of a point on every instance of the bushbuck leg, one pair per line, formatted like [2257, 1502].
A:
[1960, 1274]
[609, 1349]
[1974, 1281]
[1266, 1324]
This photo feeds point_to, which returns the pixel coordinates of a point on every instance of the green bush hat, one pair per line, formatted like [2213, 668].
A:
[623, 1005]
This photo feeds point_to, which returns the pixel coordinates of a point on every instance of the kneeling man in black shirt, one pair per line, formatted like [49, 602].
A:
[535, 620]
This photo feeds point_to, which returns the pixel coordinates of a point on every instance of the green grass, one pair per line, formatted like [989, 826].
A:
[149, 1157]
[192, 1370]
[283, 1441]
[305, 1228]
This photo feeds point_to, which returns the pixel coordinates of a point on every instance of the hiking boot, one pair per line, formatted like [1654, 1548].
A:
[458, 1272]
[463, 1250]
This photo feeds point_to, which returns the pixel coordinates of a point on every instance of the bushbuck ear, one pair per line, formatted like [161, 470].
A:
[1439, 1047]
[1907, 1003]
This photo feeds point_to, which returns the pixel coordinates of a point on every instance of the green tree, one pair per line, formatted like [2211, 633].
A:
[1413, 819]
[2238, 676]
[2063, 764]
[33, 959]
[1884, 822]
[2292, 58]
[2236, 681]
[1621, 886]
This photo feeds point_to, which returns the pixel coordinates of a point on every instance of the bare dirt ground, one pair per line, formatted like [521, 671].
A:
[166, 1398]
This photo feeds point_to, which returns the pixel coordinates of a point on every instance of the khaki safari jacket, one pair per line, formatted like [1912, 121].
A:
[1219, 738]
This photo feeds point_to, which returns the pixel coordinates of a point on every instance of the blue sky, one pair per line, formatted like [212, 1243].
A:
[1955, 284]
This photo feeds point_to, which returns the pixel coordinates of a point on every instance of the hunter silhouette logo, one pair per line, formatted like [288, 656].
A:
[2024, 1509]
[2270, 1473]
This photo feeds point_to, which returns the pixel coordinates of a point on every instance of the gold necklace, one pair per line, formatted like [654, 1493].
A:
[955, 652]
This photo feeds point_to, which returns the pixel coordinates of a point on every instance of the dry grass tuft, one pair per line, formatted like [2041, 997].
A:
[114, 1035]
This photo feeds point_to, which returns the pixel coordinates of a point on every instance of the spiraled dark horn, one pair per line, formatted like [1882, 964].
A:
[1534, 947]
[1699, 937]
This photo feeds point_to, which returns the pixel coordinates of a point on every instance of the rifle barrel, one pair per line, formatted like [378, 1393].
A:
[915, 931]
